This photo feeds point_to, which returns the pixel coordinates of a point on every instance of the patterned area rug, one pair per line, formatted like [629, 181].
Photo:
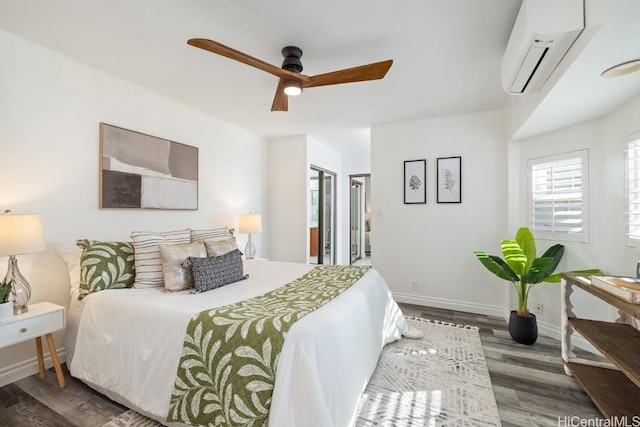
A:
[441, 379]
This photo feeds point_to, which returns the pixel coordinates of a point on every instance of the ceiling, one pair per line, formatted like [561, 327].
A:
[582, 94]
[447, 54]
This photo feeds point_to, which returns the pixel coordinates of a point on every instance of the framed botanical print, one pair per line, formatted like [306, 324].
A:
[449, 179]
[415, 186]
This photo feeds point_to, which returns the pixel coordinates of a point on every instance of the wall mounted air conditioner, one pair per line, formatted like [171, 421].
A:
[542, 34]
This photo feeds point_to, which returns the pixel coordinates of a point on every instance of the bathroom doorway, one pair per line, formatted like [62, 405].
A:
[360, 219]
[322, 202]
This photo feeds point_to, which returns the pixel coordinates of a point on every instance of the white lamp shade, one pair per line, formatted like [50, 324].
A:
[20, 234]
[250, 223]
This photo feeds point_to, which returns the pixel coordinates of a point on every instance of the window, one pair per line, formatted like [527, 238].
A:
[558, 197]
[632, 190]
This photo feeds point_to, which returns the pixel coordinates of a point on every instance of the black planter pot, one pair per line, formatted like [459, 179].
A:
[523, 330]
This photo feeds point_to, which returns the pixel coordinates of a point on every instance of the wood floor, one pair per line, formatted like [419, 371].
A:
[529, 383]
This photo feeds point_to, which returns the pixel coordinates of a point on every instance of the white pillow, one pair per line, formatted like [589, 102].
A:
[148, 262]
[215, 234]
[71, 255]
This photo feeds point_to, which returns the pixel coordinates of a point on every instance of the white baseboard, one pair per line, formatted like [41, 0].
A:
[27, 367]
[489, 310]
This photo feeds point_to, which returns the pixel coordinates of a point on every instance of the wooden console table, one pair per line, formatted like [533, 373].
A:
[613, 387]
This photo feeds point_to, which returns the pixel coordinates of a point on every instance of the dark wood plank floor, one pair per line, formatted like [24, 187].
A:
[529, 383]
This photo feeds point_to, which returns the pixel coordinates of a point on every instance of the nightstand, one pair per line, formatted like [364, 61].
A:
[42, 319]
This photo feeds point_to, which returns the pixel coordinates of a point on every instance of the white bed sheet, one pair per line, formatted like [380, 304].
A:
[129, 343]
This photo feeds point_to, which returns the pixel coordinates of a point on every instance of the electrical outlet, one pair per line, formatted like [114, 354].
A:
[539, 309]
[414, 285]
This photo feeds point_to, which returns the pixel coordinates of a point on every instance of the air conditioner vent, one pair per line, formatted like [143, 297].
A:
[542, 34]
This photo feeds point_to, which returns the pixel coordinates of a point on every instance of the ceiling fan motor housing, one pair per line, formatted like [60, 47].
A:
[292, 57]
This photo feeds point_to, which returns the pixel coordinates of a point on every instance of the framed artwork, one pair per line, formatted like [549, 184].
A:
[450, 179]
[144, 171]
[415, 186]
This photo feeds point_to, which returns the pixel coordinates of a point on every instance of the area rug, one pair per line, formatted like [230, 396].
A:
[440, 379]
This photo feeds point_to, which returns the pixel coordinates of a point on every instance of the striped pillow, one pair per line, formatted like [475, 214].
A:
[215, 234]
[146, 245]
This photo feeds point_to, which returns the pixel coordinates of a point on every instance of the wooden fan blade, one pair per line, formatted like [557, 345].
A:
[374, 71]
[220, 49]
[280, 100]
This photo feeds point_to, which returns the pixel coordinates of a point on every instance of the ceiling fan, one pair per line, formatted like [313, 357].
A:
[292, 82]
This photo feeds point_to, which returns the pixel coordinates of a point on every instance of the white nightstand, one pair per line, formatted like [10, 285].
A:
[42, 319]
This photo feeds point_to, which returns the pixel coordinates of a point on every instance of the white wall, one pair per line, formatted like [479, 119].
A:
[433, 244]
[290, 161]
[50, 110]
[288, 195]
[605, 140]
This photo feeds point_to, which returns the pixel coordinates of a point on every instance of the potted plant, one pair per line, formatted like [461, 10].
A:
[6, 307]
[521, 267]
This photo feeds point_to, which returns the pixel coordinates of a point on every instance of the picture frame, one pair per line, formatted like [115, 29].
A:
[449, 179]
[415, 181]
[146, 172]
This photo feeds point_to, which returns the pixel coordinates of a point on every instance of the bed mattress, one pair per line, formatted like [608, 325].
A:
[126, 343]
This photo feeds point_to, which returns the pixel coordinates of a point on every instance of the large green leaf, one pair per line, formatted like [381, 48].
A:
[514, 256]
[527, 243]
[539, 270]
[497, 266]
[556, 252]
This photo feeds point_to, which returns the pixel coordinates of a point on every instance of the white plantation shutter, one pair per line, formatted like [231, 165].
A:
[632, 190]
[558, 196]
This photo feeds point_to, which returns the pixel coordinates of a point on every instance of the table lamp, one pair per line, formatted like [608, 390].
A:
[250, 223]
[19, 234]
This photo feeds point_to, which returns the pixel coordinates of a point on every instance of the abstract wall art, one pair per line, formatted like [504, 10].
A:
[144, 171]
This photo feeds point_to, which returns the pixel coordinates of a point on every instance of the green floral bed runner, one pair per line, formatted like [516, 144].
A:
[228, 365]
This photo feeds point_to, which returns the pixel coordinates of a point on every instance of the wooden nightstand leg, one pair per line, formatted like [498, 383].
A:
[56, 361]
[42, 372]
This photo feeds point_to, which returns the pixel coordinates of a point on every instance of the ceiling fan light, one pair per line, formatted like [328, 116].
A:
[293, 88]
[622, 69]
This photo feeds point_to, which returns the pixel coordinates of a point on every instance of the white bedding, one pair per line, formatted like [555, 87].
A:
[129, 343]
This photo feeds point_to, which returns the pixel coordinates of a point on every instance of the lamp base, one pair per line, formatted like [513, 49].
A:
[250, 249]
[20, 310]
[20, 289]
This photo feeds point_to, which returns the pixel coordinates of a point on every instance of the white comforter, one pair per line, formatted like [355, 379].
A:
[129, 344]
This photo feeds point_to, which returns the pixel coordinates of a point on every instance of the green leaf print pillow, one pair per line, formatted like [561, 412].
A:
[105, 265]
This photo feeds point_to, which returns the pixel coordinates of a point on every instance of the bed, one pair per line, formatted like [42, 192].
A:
[127, 344]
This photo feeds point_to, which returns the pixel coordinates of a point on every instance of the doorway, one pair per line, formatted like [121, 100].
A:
[360, 219]
[322, 202]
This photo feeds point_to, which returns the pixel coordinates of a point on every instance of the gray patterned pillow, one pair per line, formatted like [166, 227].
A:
[105, 265]
[214, 272]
